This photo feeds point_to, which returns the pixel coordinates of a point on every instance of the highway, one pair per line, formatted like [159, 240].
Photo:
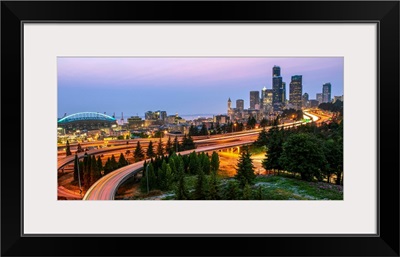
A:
[106, 187]
[199, 140]
[68, 194]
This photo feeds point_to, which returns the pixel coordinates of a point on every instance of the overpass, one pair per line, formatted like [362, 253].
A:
[197, 139]
[106, 187]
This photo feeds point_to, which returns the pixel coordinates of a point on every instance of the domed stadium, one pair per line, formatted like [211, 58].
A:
[86, 121]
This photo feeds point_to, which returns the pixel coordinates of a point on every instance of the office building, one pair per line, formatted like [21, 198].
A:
[319, 98]
[255, 100]
[295, 92]
[305, 100]
[326, 93]
[240, 104]
[277, 88]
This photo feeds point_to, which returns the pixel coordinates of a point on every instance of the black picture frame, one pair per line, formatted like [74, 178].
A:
[384, 13]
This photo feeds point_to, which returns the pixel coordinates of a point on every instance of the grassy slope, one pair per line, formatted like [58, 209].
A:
[282, 188]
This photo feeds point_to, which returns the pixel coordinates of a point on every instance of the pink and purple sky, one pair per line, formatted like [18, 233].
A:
[187, 86]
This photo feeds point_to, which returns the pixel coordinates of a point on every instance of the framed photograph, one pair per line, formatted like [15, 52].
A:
[142, 123]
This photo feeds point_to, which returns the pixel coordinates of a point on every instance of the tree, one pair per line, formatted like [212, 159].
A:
[165, 176]
[68, 150]
[264, 122]
[113, 163]
[232, 190]
[169, 177]
[168, 146]
[148, 179]
[240, 127]
[173, 162]
[212, 129]
[160, 150]
[262, 138]
[303, 154]
[214, 162]
[177, 146]
[138, 155]
[86, 170]
[187, 143]
[218, 129]
[95, 173]
[334, 157]
[259, 193]
[194, 163]
[203, 130]
[245, 169]
[81, 171]
[205, 163]
[79, 150]
[200, 189]
[107, 166]
[274, 144]
[150, 151]
[251, 122]
[213, 187]
[122, 161]
[76, 167]
[247, 192]
[193, 131]
[99, 164]
[181, 192]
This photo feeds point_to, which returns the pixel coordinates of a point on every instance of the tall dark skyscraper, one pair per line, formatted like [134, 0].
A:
[276, 71]
[277, 88]
[296, 92]
[240, 104]
[254, 99]
[326, 93]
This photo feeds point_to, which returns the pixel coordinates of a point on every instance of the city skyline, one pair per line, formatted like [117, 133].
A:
[186, 86]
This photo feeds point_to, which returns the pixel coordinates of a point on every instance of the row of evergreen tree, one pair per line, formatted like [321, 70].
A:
[314, 152]
[68, 149]
[91, 169]
[95, 172]
[163, 172]
[167, 173]
[187, 143]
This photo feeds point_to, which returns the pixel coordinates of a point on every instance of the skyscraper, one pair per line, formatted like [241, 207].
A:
[295, 92]
[254, 99]
[305, 100]
[326, 93]
[319, 98]
[276, 71]
[263, 91]
[267, 100]
[283, 89]
[277, 88]
[239, 104]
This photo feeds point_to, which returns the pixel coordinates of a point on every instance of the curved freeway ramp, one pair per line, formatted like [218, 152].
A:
[69, 159]
[106, 187]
